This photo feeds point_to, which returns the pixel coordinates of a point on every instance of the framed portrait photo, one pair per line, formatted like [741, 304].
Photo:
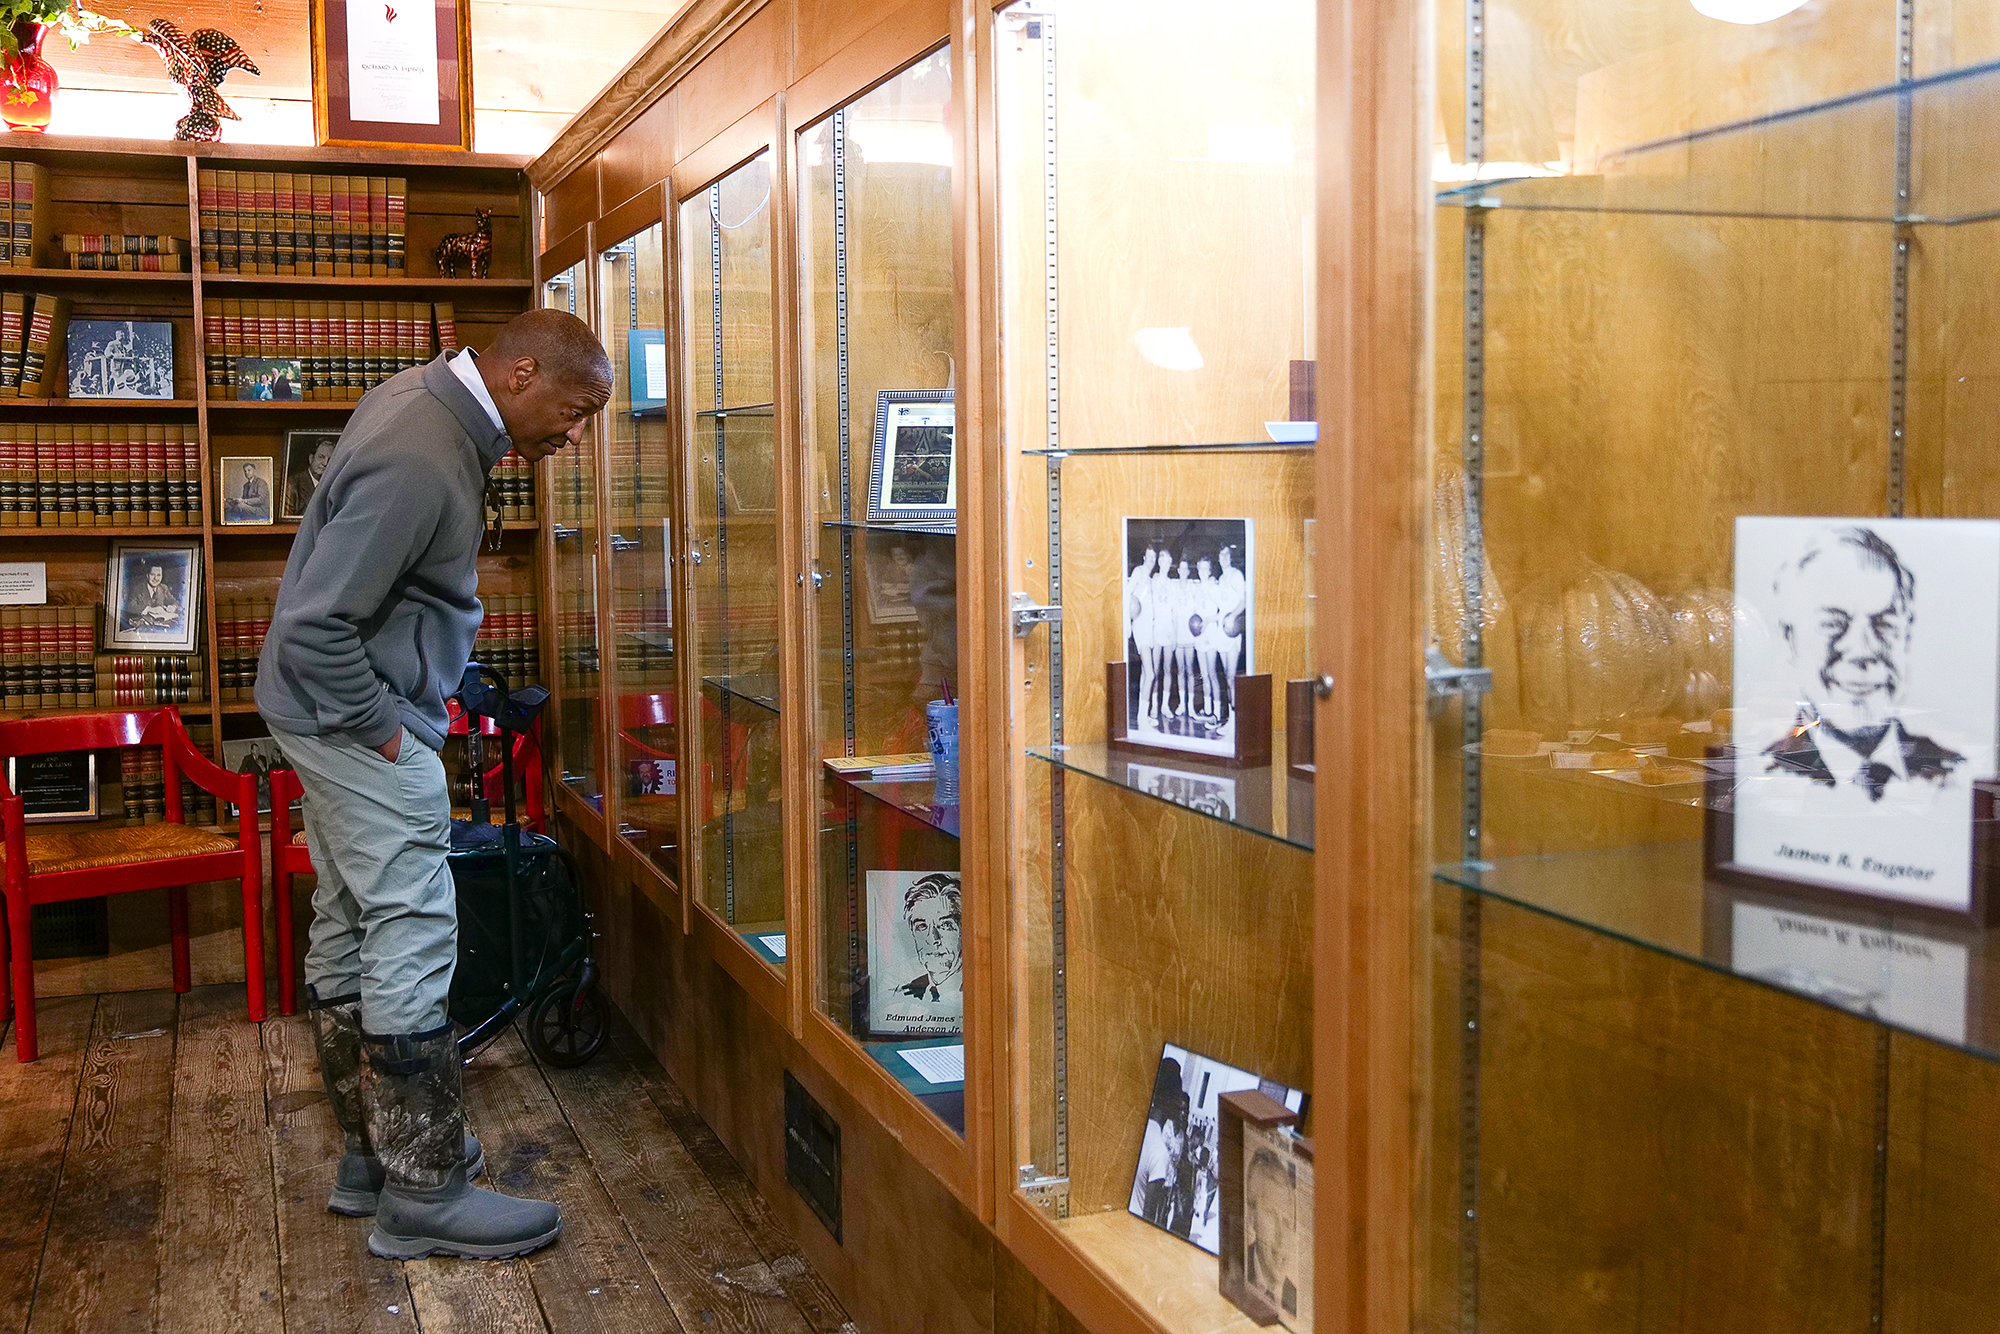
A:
[120, 359]
[1190, 632]
[245, 486]
[392, 76]
[152, 596]
[915, 473]
[306, 455]
[255, 755]
[269, 379]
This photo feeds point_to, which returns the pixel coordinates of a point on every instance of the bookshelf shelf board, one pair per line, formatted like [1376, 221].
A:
[9, 277]
[405, 284]
[96, 404]
[256, 530]
[240, 706]
[309, 405]
[105, 530]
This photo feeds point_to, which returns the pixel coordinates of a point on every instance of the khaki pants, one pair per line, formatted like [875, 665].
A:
[385, 915]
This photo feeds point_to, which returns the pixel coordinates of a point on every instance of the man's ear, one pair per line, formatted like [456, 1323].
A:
[522, 374]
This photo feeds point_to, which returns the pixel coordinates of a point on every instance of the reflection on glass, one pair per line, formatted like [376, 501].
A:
[1156, 186]
[726, 265]
[876, 260]
[646, 750]
[573, 523]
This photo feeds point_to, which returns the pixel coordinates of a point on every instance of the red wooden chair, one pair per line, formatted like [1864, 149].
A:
[290, 856]
[56, 867]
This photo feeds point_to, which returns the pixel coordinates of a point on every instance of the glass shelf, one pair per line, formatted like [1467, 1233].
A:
[1909, 970]
[1268, 801]
[1769, 166]
[747, 410]
[921, 529]
[755, 688]
[945, 1099]
[1194, 447]
[911, 796]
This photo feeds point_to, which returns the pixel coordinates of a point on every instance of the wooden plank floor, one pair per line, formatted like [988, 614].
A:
[167, 1164]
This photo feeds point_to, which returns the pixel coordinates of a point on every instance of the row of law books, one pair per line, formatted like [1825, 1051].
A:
[292, 222]
[103, 251]
[240, 627]
[514, 481]
[142, 780]
[318, 350]
[99, 474]
[509, 638]
[25, 205]
[48, 661]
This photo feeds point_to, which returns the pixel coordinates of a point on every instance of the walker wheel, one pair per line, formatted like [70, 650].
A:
[566, 1027]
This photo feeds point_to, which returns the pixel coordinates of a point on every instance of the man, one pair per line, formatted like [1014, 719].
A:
[1160, 1150]
[301, 485]
[1847, 611]
[253, 495]
[152, 606]
[931, 912]
[1268, 1202]
[374, 623]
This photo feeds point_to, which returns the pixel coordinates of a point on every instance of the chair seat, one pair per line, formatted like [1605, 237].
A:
[50, 854]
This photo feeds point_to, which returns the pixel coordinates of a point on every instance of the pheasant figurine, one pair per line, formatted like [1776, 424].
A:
[199, 62]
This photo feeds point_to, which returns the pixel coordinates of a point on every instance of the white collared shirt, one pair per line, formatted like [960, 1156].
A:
[466, 367]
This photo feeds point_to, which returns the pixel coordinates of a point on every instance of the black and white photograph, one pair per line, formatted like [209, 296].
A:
[255, 755]
[246, 489]
[1180, 1172]
[306, 455]
[121, 358]
[916, 964]
[1865, 667]
[915, 473]
[269, 379]
[1277, 1224]
[1198, 792]
[1189, 590]
[152, 593]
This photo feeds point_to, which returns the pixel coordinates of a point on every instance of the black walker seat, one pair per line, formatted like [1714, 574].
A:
[523, 937]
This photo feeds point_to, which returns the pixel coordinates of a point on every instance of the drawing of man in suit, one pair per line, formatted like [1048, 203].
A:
[931, 911]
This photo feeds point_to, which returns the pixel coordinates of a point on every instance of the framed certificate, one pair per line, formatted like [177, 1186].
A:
[391, 75]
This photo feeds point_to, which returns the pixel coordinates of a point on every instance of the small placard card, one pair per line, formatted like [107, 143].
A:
[24, 583]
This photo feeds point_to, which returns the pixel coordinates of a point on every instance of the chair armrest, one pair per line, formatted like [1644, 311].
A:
[203, 772]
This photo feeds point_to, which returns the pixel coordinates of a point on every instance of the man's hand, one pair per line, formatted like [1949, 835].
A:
[391, 748]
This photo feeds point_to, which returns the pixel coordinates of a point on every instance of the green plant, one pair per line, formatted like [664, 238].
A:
[67, 16]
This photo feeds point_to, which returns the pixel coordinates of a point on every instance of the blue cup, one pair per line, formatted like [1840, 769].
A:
[942, 719]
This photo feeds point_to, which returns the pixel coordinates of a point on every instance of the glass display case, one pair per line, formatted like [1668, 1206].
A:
[1156, 197]
[1716, 628]
[573, 529]
[729, 367]
[643, 532]
[875, 238]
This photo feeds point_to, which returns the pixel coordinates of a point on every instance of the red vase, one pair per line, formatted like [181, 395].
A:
[28, 83]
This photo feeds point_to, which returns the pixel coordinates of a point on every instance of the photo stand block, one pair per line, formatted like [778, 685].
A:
[1253, 722]
[1257, 1109]
[1718, 850]
[1299, 730]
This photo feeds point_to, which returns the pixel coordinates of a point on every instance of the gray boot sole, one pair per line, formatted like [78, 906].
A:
[349, 1202]
[417, 1248]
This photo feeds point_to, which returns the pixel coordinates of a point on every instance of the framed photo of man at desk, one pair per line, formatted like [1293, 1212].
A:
[1866, 656]
[152, 596]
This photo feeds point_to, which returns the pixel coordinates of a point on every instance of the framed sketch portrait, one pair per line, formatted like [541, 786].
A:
[1866, 652]
[915, 473]
[916, 963]
[1190, 600]
[1179, 1179]
[1277, 1218]
[120, 359]
[152, 596]
[246, 489]
[306, 455]
[392, 76]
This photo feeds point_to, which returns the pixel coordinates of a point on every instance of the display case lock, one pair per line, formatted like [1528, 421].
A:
[1442, 680]
[562, 534]
[620, 542]
[1029, 613]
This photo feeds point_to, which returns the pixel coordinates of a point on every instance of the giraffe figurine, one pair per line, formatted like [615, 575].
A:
[474, 247]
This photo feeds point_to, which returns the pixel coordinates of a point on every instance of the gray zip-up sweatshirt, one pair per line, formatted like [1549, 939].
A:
[378, 608]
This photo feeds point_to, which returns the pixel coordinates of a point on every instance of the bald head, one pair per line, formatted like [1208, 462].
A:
[548, 375]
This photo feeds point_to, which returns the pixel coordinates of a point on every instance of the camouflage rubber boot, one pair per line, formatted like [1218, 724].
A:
[415, 1106]
[337, 1033]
